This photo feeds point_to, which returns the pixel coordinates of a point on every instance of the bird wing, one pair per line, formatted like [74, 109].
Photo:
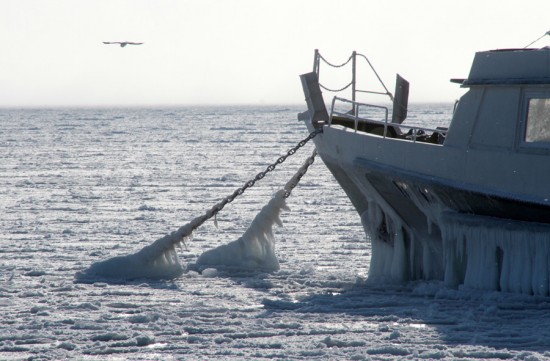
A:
[122, 43]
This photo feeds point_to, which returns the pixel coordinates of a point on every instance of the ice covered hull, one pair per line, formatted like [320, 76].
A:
[425, 228]
[473, 210]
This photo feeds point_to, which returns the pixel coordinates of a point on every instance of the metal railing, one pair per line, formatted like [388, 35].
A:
[355, 115]
[415, 131]
[359, 109]
[353, 83]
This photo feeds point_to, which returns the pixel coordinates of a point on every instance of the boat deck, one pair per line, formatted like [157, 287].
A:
[390, 130]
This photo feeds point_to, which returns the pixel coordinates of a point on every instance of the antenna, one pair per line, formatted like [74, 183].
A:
[546, 33]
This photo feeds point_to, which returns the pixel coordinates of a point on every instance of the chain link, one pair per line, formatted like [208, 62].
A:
[271, 167]
[335, 90]
[336, 65]
[288, 188]
[293, 182]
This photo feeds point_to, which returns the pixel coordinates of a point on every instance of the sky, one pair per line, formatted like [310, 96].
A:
[244, 51]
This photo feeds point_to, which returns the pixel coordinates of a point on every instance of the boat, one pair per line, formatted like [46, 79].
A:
[466, 203]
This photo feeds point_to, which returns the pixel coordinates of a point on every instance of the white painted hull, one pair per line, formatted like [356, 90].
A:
[472, 210]
[428, 218]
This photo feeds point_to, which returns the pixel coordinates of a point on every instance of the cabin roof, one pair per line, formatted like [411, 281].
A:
[508, 67]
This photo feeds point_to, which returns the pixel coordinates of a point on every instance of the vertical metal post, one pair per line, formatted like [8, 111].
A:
[353, 57]
[316, 63]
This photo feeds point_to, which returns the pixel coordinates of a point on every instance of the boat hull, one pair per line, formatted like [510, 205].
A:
[396, 185]
[425, 227]
[468, 204]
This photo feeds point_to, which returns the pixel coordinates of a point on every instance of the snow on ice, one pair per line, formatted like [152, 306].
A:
[79, 186]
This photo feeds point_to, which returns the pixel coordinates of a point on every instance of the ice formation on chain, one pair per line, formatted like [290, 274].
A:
[255, 250]
[155, 261]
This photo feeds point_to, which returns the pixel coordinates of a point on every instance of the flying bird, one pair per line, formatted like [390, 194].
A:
[122, 43]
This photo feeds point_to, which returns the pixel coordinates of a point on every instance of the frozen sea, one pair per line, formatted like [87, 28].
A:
[79, 186]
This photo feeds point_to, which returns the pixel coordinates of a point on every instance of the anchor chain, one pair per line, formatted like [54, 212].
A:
[288, 188]
[293, 182]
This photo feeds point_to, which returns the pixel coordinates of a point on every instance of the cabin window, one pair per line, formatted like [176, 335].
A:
[538, 120]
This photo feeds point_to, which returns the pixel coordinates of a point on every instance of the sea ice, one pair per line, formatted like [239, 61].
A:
[75, 169]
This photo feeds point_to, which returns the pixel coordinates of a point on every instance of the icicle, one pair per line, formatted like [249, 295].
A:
[498, 254]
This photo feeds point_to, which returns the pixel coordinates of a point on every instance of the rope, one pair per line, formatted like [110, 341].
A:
[534, 41]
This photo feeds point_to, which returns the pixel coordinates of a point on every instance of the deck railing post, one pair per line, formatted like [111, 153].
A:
[316, 63]
[354, 56]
